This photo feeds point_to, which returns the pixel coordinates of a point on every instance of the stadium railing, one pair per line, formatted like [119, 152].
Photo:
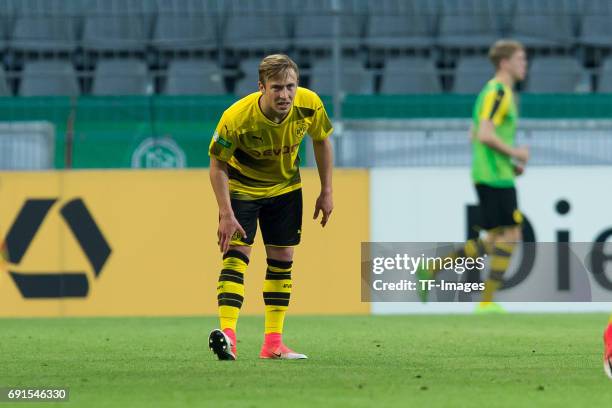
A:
[403, 130]
[383, 38]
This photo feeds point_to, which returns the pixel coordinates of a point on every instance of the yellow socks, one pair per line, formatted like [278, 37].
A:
[230, 290]
[500, 260]
[276, 294]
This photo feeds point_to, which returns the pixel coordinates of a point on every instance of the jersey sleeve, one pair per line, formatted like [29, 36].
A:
[321, 126]
[223, 142]
[495, 106]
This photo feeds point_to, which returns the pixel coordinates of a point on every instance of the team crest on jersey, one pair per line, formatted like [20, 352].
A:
[301, 130]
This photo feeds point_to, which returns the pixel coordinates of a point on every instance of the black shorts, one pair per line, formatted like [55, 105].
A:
[498, 207]
[280, 219]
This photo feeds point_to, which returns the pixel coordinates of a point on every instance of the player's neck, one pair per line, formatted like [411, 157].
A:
[505, 78]
[270, 113]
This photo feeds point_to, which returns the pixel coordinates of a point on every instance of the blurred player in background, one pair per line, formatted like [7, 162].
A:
[495, 163]
[254, 171]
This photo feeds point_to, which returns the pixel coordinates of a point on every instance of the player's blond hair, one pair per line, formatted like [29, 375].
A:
[276, 64]
[503, 50]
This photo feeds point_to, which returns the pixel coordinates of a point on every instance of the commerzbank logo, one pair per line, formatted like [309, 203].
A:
[158, 153]
[42, 284]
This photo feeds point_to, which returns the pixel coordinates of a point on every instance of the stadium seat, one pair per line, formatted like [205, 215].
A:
[468, 23]
[45, 33]
[186, 25]
[413, 75]
[544, 23]
[49, 78]
[471, 74]
[185, 33]
[401, 24]
[554, 75]
[49, 26]
[121, 77]
[118, 26]
[355, 79]
[248, 83]
[192, 77]
[263, 25]
[4, 88]
[314, 27]
[605, 77]
[595, 23]
[6, 22]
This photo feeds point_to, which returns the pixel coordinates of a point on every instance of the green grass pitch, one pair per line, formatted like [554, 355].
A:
[460, 361]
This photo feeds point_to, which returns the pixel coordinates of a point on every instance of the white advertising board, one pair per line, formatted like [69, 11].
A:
[430, 205]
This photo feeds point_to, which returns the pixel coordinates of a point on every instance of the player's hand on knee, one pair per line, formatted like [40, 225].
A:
[228, 228]
[324, 205]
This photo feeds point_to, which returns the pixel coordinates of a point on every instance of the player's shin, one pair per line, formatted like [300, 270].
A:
[230, 290]
[276, 294]
[500, 261]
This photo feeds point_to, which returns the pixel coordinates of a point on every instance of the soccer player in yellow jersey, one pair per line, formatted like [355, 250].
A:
[254, 171]
[495, 163]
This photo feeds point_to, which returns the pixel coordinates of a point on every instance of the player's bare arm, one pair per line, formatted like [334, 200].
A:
[228, 224]
[487, 136]
[324, 158]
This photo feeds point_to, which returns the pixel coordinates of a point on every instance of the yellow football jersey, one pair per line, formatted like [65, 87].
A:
[262, 155]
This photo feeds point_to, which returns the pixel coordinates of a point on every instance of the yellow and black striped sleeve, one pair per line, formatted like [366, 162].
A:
[321, 126]
[223, 143]
[495, 105]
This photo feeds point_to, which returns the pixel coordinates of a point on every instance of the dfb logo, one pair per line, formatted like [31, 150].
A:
[59, 284]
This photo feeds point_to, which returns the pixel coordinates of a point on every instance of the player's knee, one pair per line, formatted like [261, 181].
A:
[283, 254]
[518, 233]
[513, 234]
[509, 234]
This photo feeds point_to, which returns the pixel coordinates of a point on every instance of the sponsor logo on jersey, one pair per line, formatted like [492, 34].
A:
[218, 139]
[276, 151]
